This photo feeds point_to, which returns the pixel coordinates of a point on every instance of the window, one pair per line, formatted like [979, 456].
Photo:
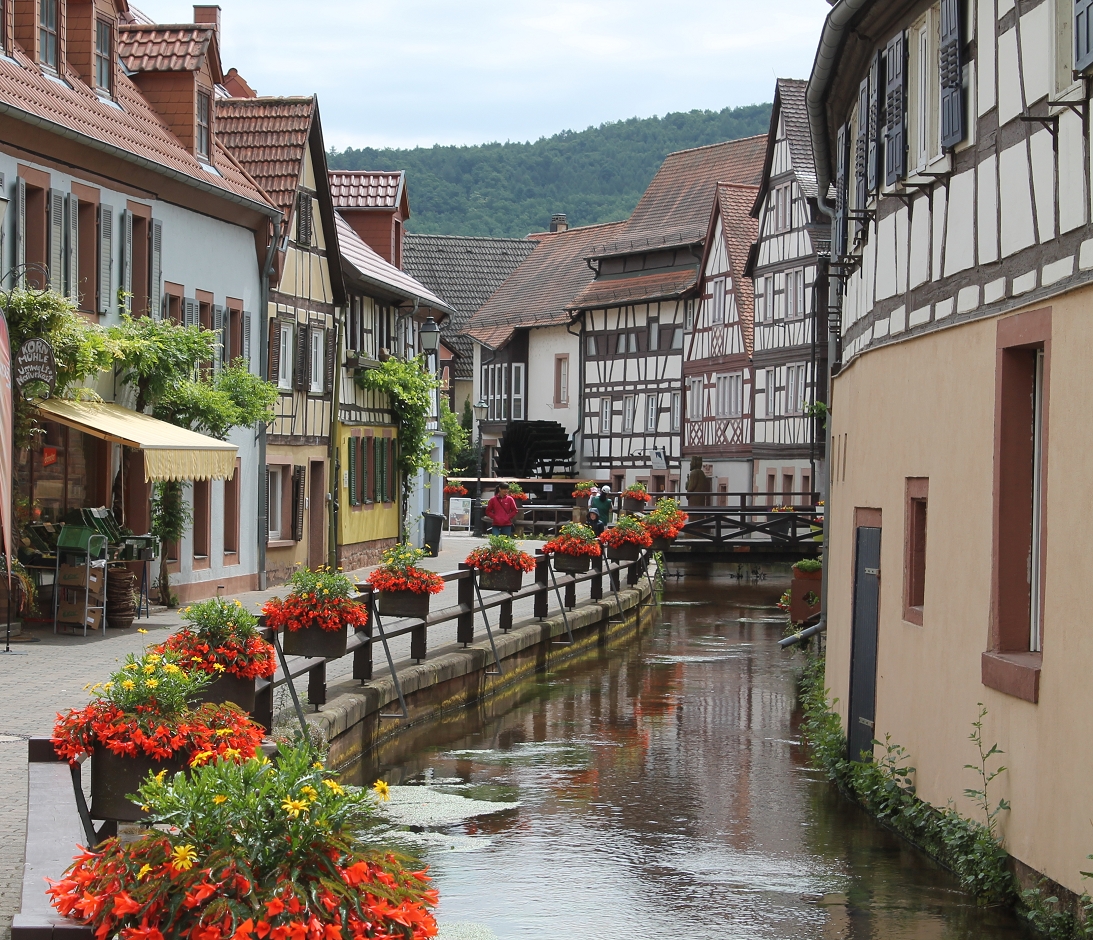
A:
[783, 208]
[677, 339]
[730, 395]
[717, 313]
[628, 414]
[318, 361]
[48, 31]
[605, 415]
[204, 107]
[676, 399]
[922, 124]
[104, 55]
[518, 392]
[284, 372]
[202, 523]
[795, 294]
[654, 335]
[652, 413]
[231, 517]
[561, 381]
[689, 316]
[795, 389]
[695, 410]
[620, 345]
[590, 347]
[633, 346]
[770, 387]
[914, 560]
[503, 391]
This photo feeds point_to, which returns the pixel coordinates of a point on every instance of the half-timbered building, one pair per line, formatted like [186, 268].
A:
[279, 142]
[956, 135]
[790, 355]
[635, 314]
[717, 375]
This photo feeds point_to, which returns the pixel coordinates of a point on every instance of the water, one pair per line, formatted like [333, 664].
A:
[661, 791]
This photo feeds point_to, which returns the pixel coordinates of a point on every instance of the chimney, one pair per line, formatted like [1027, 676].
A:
[237, 85]
[208, 16]
[558, 222]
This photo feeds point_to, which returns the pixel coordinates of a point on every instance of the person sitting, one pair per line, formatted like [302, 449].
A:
[502, 509]
[594, 522]
[601, 502]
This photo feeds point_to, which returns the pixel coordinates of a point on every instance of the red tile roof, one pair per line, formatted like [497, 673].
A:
[628, 289]
[269, 137]
[540, 290]
[740, 230]
[167, 48]
[130, 128]
[675, 208]
[360, 190]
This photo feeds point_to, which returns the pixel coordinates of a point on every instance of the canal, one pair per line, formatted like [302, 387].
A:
[661, 790]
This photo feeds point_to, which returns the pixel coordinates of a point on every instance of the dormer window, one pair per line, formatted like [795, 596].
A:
[48, 16]
[104, 56]
[204, 109]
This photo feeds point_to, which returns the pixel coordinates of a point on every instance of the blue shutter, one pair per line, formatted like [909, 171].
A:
[838, 236]
[895, 137]
[952, 75]
[874, 151]
[1083, 34]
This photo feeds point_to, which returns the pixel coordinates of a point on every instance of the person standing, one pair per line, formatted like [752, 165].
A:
[594, 522]
[502, 509]
[601, 502]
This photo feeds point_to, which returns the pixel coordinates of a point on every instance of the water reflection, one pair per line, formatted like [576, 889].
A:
[662, 791]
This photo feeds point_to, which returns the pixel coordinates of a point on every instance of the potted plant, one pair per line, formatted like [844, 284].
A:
[143, 720]
[246, 851]
[315, 618]
[455, 489]
[584, 490]
[635, 498]
[516, 491]
[573, 548]
[501, 564]
[664, 523]
[625, 539]
[783, 527]
[808, 569]
[24, 592]
[223, 642]
[404, 588]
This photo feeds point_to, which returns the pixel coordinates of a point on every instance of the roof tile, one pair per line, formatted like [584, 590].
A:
[357, 190]
[164, 48]
[740, 230]
[658, 285]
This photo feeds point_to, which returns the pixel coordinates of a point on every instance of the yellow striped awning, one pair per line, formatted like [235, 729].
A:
[170, 453]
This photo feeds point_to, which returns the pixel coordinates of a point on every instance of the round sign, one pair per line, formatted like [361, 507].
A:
[35, 363]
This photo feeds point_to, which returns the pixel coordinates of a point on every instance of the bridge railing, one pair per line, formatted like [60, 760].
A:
[724, 525]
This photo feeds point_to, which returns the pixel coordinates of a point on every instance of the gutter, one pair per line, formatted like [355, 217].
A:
[835, 32]
[263, 369]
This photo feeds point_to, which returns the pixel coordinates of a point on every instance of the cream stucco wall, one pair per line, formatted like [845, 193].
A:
[925, 408]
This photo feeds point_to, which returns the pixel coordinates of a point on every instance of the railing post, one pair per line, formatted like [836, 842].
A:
[316, 685]
[505, 617]
[542, 583]
[571, 594]
[419, 642]
[362, 657]
[464, 630]
[632, 574]
[613, 578]
[597, 582]
[263, 706]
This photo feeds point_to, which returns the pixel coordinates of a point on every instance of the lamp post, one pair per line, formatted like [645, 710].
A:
[428, 335]
[479, 410]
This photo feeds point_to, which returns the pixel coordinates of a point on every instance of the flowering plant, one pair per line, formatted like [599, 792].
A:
[320, 598]
[637, 491]
[223, 638]
[144, 709]
[501, 552]
[455, 489]
[248, 851]
[584, 490]
[574, 539]
[398, 572]
[783, 509]
[666, 521]
[516, 491]
[627, 531]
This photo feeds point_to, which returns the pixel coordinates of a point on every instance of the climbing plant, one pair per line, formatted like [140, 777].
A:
[456, 439]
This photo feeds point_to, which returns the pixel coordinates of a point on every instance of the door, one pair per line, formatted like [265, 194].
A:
[316, 533]
[863, 642]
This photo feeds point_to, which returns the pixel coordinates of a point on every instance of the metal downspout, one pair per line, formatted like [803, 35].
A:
[263, 430]
[334, 450]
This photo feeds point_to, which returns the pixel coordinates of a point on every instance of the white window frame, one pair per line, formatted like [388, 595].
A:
[590, 347]
[696, 407]
[318, 361]
[770, 393]
[677, 408]
[504, 391]
[632, 342]
[620, 345]
[275, 477]
[688, 315]
[654, 335]
[629, 406]
[518, 413]
[717, 309]
[561, 381]
[288, 355]
[605, 415]
[652, 412]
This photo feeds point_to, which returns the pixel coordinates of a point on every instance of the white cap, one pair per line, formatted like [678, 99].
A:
[605, 488]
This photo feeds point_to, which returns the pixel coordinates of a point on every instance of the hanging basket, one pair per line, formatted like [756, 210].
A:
[506, 578]
[571, 564]
[229, 688]
[628, 551]
[316, 642]
[113, 776]
[404, 604]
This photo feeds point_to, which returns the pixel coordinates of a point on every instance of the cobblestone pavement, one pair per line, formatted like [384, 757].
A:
[44, 677]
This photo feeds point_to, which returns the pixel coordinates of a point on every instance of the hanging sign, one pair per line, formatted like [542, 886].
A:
[35, 363]
[7, 430]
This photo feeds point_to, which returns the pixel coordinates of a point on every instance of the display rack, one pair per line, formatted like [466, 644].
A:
[79, 586]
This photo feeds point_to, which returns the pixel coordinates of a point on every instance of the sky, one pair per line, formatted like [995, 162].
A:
[404, 73]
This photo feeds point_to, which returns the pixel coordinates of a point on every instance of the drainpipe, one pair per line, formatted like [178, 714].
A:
[263, 371]
[333, 449]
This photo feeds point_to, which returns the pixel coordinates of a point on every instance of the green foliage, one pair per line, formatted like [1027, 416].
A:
[399, 559]
[979, 795]
[323, 584]
[154, 356]
[151, 679]
[410, 387]
[809, 564]
[456, 456]
[510, 189]
[234, 398]
[817, 410]
[217, 620]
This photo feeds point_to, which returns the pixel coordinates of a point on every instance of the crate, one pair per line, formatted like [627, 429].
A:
[78, 538]
[72, 615]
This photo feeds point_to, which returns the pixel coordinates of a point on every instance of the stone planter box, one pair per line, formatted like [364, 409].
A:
[506, 578]
[629, 504]
[799, 608]
[404, 604]
[662, 544]
[571, 564]
[314, 641]
[113, 776]
[626, 552]
[229, 688]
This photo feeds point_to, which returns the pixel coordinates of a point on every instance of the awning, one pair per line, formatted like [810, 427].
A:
[170, 453]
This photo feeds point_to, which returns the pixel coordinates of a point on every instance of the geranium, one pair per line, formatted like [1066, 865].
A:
[224, 638]
[245, 868]
[455, 489]
[144, 709]
[320, 598]
[627, 531]
[516, 491]
[501, 552]
[666, 520]
[637, 491]
[575, 539]
[584, 490]
[398, 572]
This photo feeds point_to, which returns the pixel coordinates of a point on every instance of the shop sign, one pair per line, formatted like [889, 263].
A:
[49, 456]
[35, 363]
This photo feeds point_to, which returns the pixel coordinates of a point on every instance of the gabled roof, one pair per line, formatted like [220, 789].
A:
[351, 189]
[674, 210]
[372, 269]
[656, 285]
[739, 229]
[130, 130]
[540, 290]
[789, 103]
[465, 271]
[269, 138]
[180, 48]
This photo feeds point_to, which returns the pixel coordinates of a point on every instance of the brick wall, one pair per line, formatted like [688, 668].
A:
[363, 554]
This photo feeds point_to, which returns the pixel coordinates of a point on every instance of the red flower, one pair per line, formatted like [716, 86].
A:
[569, 545]
[274, 907]
[301, 613]
[489, 560]
[411, 578]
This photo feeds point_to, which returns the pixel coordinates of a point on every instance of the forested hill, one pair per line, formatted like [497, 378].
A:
[594, 175]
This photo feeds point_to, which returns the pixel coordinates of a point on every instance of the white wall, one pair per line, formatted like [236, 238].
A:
[543, 345]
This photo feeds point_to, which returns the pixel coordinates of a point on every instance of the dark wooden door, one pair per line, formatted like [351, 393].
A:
[863, 643]
[316, 533]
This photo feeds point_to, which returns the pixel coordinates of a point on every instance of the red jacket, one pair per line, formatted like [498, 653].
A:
[502, 510]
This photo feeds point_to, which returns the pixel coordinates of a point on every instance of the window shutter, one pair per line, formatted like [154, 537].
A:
[838, 236]
[303, 219]
[952, 74]
[352, 464]
[246, 337]
[392, 470]
[72, 259]
[106, 255]
[385, 483]
[861, 149]
[298, 489]
[263, 506]
[155, 292]
[365, 446]
[20, 230]
[895, 137]
[191, 312]
[1083, 35]
[220, 357]
[330, 346]
[127, 259]
[872, 161]
[57, 241]
[302, 375]
[274, 351]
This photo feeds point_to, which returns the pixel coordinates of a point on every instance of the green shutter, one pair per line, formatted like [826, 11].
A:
[365, 445]
[352, 463]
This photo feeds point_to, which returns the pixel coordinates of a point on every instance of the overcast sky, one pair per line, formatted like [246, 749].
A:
[408, 72]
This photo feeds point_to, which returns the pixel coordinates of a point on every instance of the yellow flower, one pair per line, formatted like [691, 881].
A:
[144, 869]
[218, 667]
[159, 777]
[294, 807]
[171, 669]
[220, 798]
[231, 753]
[195, 659]
[318, 765]
[183, 857]
[151, 683]
[382, 790]
[128, 685]
[334, 787]
[310, 792]
[153, 658]
[223, 732]
[108, 686]
[149, 669]
[238, 603]
[201, 758]
[141, 630]
[128, 666]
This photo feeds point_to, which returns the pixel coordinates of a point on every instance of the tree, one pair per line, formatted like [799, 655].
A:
[455, 440]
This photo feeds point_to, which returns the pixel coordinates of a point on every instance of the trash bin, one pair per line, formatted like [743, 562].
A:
[434, 522]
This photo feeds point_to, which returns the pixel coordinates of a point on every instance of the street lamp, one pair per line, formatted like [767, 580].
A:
[429, 336]
[479, 410]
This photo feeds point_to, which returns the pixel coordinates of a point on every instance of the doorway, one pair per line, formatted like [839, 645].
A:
[863, 642]
[316, 532]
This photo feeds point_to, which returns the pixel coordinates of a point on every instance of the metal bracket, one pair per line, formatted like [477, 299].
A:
[499, 671]
[561, 603]
[291, 687]
[1050, 122]
[390, 661]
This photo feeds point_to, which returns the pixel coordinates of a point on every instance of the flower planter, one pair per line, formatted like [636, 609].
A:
[628, 551]
[572, 564]
[506, 578]
[662, 544]
[404, 604]
[113, 776]
[808, 575]
[229, 688]
[314, 641]
[629, 504]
